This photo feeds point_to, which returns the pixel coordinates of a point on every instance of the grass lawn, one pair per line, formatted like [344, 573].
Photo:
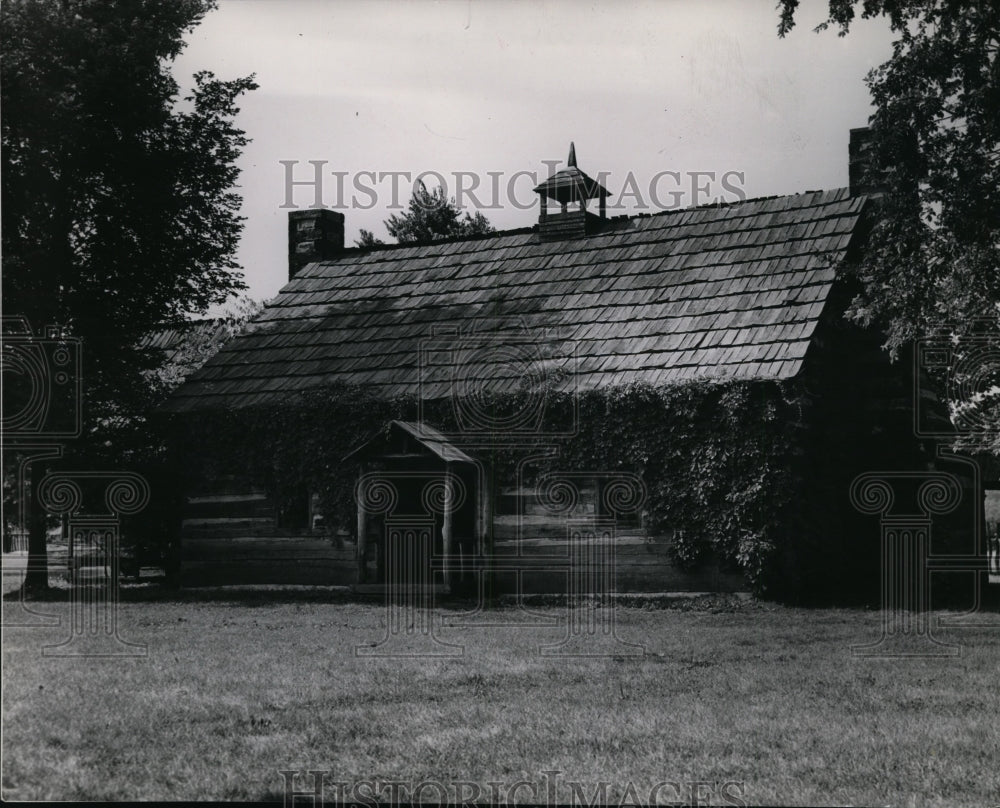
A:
[232, 691]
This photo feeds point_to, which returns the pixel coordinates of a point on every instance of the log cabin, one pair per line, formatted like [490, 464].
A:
[748, 292]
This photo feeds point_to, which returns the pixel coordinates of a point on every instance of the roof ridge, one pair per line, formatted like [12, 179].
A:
[517, 231]
[734, 203]
[520, 231]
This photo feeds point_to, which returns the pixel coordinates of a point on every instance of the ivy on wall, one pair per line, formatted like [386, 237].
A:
[717, 459]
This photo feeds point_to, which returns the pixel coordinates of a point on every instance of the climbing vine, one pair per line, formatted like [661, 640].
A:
[717, 459]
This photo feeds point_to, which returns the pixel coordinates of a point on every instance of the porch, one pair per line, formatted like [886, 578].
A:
[422, 513]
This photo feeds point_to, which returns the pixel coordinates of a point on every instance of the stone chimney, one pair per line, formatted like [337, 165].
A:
[313, 235]
[569, 186]
[859, 165]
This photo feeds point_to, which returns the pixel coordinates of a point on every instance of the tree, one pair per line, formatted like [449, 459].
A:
[119, 208]
[430, 215]
[368, 239]
[932, 268]
[197, 342]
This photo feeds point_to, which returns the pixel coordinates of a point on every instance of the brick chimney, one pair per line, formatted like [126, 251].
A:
[313, 235]
[859, 165]
[569, 186]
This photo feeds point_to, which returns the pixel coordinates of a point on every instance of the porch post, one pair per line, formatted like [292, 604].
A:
[362, 532]
[446, 529]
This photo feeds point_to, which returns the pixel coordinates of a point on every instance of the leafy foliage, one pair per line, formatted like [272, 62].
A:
[716, 458]
[199, 344]
[932, 269]
[289, 446]
[368, 239]
[429, 215]
[119, 204]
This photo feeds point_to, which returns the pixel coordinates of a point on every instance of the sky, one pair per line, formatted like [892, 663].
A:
[467, 88]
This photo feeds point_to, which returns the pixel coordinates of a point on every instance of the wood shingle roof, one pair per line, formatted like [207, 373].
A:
[717, 292]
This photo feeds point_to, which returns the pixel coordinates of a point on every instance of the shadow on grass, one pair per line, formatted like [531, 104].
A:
[270, 595]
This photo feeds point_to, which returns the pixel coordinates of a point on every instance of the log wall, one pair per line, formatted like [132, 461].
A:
[230, 537]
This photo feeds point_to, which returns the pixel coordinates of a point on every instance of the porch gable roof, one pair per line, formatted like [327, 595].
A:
[427, 436]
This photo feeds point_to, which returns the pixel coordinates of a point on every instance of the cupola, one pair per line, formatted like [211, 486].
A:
[572, 189]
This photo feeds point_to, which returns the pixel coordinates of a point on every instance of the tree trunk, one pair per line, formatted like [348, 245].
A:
[36, 579]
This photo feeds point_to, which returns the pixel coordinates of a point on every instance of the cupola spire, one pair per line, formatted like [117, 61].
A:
[569, 185]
